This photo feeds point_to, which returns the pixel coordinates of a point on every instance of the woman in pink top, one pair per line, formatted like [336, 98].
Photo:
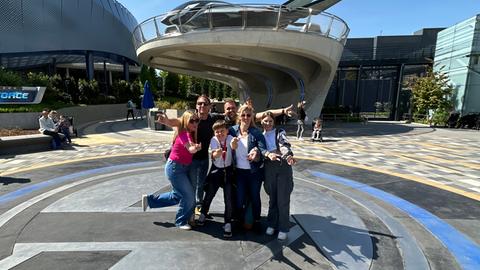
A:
[176, 170]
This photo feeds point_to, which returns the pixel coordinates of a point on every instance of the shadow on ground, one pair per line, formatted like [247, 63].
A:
[12, 180]
[113, 127]
[340, 129]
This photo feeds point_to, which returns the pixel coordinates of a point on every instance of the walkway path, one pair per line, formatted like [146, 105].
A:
[376, 196]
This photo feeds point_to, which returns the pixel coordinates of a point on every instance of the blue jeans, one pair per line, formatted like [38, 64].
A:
[248, 186]
[182, 193]
[198, 173]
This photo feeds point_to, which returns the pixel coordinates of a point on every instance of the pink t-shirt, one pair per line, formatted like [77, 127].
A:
[179, 152]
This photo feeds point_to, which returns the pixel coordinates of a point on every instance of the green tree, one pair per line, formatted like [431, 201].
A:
[171, 84]
[163, 75]
[150, 74]
[432, 92]
[9, 78]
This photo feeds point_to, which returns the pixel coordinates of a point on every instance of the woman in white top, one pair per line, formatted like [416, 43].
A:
[248, 164]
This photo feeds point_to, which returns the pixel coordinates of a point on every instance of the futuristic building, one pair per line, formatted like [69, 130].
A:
[458, 55]
[54, 35]
[276, 54]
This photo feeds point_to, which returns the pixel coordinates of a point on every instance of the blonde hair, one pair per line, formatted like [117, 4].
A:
[184, 120]
[244, 108]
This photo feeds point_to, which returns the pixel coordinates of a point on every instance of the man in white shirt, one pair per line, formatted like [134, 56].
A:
[47, 127]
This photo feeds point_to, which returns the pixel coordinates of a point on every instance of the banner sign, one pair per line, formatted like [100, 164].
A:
[21, 95]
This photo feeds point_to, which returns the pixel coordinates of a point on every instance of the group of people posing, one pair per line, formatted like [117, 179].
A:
[242, 158]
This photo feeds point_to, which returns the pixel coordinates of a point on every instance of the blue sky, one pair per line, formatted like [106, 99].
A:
[366, 18]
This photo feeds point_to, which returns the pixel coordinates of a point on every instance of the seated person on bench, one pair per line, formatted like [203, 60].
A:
[47, 127]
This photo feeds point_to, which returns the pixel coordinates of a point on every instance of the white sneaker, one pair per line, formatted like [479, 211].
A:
[269, 231]
[282, 236]
[185, 227]
[227, 230]
[144, 202]
[300, 139]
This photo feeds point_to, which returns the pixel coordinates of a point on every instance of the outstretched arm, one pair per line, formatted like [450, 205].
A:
[276, 112]
[163, 119]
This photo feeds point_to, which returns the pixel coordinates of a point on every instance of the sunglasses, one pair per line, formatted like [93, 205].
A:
[203, 103]
[246, 115]
[191, 121]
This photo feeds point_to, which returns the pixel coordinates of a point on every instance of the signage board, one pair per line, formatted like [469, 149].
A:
[21, 95]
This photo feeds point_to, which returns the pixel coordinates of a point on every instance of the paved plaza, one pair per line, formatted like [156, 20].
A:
[384, 195]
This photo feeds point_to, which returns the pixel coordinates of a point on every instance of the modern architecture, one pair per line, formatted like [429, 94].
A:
[458, 55]
[275, 54]
[69, 37]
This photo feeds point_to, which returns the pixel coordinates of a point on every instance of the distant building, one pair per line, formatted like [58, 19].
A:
[458, 55]
[373, 72]
[71, 38]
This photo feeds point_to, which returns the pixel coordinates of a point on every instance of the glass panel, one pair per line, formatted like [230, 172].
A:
[226, 16]
[265, 16]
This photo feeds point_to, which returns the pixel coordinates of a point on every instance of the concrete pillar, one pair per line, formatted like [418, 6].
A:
[67, 72]
[357, 88]
[110, 80]
[54, 66]
[396, 114]
[337, 90]
[105, 76]
[89, 65]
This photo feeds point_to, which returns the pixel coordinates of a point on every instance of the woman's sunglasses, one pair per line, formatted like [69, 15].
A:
[245, 115]
[196, 120]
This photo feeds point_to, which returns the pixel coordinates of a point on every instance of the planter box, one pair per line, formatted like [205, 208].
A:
[173, 113]
[81, 114]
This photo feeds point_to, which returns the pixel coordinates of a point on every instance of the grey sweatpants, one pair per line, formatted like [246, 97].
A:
[278, 185]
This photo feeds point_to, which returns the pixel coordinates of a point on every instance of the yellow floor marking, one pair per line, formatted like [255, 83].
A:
[417, 160]
[443, 147]
[455, 162]
[35, 167]
[97, 139]
[327, 149]
[414, 178]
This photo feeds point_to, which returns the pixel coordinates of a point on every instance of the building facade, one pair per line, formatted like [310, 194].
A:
[458, 55]
[61, 36]
[373, 73]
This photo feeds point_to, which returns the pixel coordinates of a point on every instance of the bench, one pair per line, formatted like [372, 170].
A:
[14, 145]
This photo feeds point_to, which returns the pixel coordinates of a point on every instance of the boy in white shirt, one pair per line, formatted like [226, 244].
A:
[221, 174]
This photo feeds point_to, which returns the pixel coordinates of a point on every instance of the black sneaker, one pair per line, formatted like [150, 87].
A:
[257, 227]
[201, 220]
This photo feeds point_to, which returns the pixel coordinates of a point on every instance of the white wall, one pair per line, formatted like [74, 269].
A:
[81, 114]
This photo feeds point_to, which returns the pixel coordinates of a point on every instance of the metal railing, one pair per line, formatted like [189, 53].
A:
[244, 16]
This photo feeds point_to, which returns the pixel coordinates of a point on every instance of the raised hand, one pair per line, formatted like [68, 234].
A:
[289, 111]
[194, 147]
[291, 160]
[272, 156]
[217, 153]
[162, 118]
[234, 143]
[254, 155]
